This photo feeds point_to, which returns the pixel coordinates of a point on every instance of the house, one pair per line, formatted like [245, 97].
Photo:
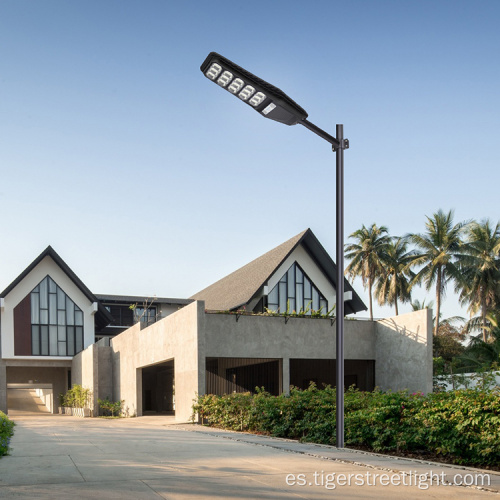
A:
[223, 339]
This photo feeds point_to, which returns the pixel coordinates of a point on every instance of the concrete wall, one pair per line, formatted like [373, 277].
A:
[3, 386]
[278, 337]
[403, 349]
[92, 369]
[46, 394]
[179, 337]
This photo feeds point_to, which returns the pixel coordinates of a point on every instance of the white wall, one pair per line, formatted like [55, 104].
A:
[46, 267]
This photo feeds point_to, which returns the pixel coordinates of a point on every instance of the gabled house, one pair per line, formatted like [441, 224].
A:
[157, 355]
[296, 275]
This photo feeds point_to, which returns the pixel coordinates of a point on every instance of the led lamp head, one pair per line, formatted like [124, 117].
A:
[268, 100]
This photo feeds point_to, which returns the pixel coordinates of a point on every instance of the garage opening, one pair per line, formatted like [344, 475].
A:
[357, 372]
[158, 389]
[29, 399]
[228, 375]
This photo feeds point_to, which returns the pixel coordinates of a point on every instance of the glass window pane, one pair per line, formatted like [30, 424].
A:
[272, 298]
[44, 316]
[52, 309]
[61, 348]
[52, 286]
[79, 339]
[61, 333]
[35, 340]
[44, 294]
[35, 309]
[71, 340]
[282, 297]
[44, 347]
[307, 289]
[70, 311]
[291, 282]
[61, 319]
[53, 340]
[79, 318]
[315, 304]
[61, 299]
[299, 276]
[291, 303]
[299, 296]
[323, 305]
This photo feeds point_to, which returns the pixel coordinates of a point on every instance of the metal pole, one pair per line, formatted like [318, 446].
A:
[340, 285]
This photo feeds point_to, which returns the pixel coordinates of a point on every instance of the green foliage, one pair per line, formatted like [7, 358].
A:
[6, 432]
[113, 407]
[77, 397]
[462, 426]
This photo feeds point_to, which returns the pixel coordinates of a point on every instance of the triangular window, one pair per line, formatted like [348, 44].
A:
[295, 292]
[56, 321]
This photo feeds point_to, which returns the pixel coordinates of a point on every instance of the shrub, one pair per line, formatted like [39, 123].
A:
[77, 397]
[111, 406]
[461, 426]
[6, 432]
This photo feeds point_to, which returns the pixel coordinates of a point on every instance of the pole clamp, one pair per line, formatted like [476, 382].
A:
[343, 145]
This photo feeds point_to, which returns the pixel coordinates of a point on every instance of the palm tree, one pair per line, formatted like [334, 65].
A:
[366, 256]
[416, 305]
[394, 283]
[481, 270]
[440, 248]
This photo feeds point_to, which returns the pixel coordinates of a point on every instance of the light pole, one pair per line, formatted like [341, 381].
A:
[273, 103]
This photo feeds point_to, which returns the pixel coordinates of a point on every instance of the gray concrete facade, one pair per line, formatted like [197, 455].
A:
[401, 348]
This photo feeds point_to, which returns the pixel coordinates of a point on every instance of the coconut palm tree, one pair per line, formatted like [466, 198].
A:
[416, 305]
[393, 284]
[366, 256]
[481, 270]
[438, 250]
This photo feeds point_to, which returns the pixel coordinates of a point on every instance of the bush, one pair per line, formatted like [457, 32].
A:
[77, 397]
[6, 432]
[111, 406]
[460, 426]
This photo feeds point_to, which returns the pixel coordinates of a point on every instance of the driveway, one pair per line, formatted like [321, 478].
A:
[151, 458]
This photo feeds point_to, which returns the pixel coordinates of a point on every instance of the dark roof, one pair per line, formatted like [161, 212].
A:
[239, 287]
[132, 299]
[103, 317]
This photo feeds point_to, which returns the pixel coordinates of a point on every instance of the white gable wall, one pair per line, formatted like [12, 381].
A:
[46, 267]
[305, 261]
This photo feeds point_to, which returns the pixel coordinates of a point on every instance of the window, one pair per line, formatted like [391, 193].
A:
[56, 321]
[296, 292]
[146, 317]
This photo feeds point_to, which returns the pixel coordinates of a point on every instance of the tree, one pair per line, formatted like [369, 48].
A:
[416, 305]
[438, 250]
[366, 256]
[481, 270]
[393, 284]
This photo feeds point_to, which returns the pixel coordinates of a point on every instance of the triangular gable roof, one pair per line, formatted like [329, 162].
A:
[103, 316]
[239, 287]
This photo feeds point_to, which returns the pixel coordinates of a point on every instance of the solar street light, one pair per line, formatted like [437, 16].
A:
[272, 103]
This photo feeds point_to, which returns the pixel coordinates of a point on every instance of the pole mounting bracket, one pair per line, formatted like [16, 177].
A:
[343, 145]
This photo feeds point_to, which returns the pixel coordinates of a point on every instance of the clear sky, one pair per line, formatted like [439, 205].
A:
[148, 179]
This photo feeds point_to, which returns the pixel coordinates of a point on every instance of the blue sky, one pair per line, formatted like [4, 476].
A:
[148, 179]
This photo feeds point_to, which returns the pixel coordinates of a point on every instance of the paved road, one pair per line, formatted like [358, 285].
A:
[149, 458]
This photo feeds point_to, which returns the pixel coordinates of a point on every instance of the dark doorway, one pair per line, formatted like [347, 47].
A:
[228, 375]
[158, 389]
[358, 372]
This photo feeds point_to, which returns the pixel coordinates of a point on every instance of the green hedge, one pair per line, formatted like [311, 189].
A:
[6, 432]
[461, 426]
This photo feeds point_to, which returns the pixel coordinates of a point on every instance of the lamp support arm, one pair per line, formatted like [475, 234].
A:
[337, 144]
